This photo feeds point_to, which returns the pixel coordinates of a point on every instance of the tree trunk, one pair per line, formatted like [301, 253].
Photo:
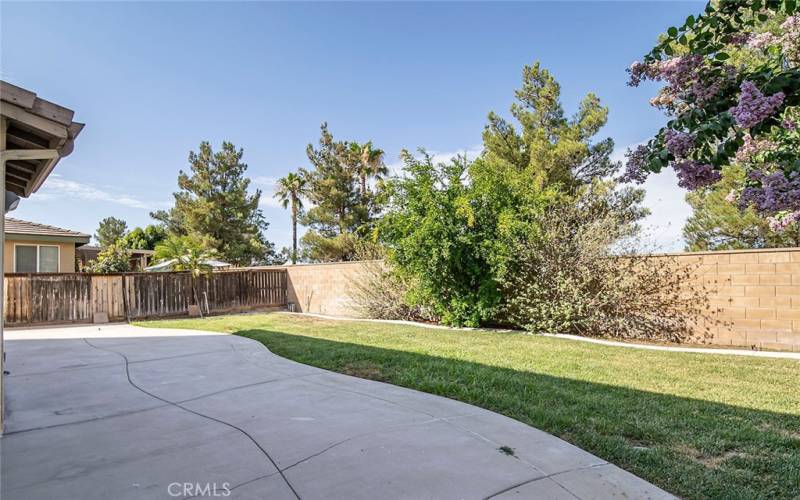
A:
[294, 231]
[363, 179]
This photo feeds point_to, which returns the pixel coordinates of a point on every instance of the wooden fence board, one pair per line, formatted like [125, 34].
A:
[74, 297]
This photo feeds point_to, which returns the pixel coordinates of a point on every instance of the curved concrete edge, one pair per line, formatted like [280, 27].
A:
[328, 435]
[593, 340]
[107, 330]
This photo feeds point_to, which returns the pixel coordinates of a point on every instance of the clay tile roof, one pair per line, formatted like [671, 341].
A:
[17, 226]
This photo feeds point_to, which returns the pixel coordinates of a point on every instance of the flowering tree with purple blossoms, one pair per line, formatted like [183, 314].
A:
[732, 95]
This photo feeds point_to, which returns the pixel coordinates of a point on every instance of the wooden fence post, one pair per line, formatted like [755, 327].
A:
[125, 298]
[29, 312]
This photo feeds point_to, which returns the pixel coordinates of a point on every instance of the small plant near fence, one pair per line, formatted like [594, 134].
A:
[379, 292]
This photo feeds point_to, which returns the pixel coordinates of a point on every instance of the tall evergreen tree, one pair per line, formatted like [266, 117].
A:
[339, 215]
[110, 230]
[550, 149]
[545, 157]
[214, 203]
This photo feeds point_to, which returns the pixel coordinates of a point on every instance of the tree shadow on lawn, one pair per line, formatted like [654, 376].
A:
[690, 447]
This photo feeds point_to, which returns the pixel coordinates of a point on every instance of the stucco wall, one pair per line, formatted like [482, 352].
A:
[66, 254]
[754, 294]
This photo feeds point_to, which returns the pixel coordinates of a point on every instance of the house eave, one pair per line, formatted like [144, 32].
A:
[77, 240]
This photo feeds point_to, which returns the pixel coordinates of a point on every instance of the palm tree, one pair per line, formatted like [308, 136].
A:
[290, 191]
[371, 165]
[188, 254]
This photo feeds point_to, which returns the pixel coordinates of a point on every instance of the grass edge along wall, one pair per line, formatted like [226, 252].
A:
[754, 295]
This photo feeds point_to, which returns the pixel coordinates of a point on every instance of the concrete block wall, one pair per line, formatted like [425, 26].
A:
[323, 288]
[754, 295]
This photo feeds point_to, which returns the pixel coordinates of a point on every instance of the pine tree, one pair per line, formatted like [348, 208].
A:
[342, 212]
[214, 204]
[110, 230]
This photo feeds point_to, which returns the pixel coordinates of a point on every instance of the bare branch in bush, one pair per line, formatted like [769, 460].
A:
[379, 292]
[577, 277]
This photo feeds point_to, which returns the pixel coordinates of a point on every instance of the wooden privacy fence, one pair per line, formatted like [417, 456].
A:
[74, 298]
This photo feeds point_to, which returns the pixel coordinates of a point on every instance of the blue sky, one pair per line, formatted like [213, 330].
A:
[152, 80]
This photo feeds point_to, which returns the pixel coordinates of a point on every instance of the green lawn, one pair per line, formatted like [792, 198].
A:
[698, 425]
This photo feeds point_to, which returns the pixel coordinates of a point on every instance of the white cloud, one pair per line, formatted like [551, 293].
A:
[268, 186]
[266, 181]
[59, 187]
[396, 168]
[667, 204]
[669, 210]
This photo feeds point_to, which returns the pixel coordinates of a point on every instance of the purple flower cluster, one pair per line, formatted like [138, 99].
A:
[739, 38]
[678, 71]
[640, 71]
[771, 193]
[789, 124]
[752, 147]
[753, 106]
[678, 143]
[790, 40]
[693, 175]
[706, 87]
[780, 222]
[761, 41]
[635, 170]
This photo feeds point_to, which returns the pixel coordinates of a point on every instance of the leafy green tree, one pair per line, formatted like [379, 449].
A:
[453, 230]
[339, 215]
[214, 203]
[291, 189]
[717, 223]
[113, 258]
[144, 239]
[109, 231]
[188, 252]
[174, 247]
[436, 240]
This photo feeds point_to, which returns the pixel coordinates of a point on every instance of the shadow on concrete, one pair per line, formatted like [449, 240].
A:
[690, 447]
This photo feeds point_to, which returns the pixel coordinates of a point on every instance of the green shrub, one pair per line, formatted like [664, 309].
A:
[113, 258]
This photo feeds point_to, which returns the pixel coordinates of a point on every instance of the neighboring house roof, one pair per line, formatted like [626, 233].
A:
[37, 134]
[132, 251]
[167, 265]
[33, 231]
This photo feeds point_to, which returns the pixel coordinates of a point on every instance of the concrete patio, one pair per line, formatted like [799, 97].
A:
[131, 413]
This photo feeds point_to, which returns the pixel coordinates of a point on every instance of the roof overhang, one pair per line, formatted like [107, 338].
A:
[36, 134]
[49, 238]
